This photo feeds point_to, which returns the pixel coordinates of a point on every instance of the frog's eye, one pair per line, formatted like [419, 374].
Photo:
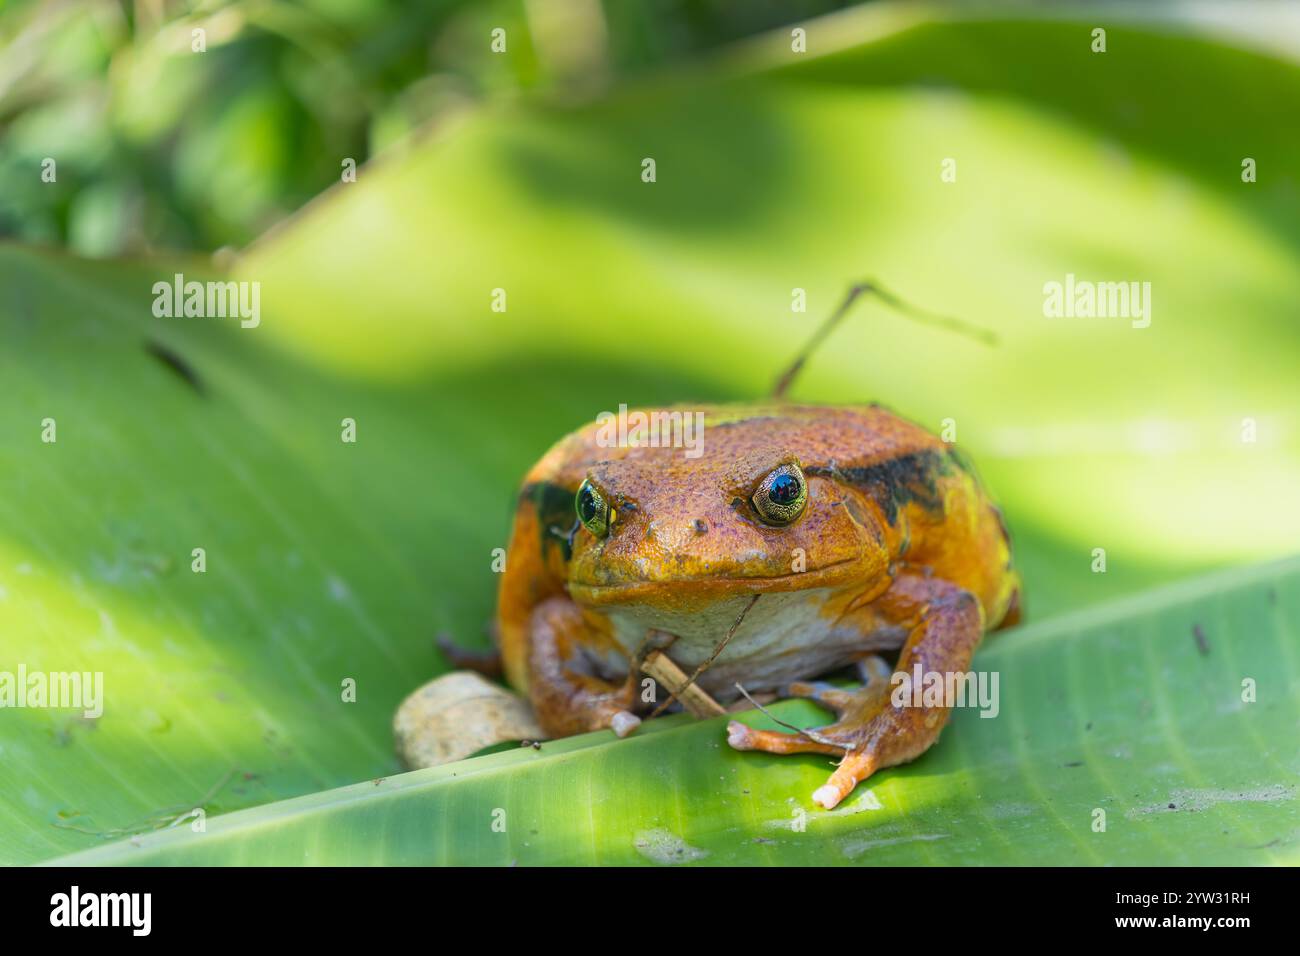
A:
[782, 495]
[593, 509]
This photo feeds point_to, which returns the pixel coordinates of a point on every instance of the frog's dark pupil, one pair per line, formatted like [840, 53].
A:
[783, 490]
[587, 506]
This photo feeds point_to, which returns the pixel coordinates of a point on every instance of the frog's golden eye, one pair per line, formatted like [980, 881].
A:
[593, 509]
[781, 497]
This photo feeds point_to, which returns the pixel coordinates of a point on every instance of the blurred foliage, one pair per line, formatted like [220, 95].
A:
[158, 146]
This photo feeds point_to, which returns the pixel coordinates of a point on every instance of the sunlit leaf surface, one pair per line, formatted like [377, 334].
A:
[1119, 718]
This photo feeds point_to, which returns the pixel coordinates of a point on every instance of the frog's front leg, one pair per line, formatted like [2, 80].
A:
[566, 693]
[945, 624]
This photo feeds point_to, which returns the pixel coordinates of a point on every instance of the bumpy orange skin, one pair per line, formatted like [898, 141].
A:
[898, 544]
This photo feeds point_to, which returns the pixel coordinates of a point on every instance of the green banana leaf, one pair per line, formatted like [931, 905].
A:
[1123, 737]
[330, 562]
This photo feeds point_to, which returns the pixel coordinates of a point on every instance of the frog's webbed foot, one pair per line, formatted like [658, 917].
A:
[852, 706]
[741, 737]
[869, 734]
[871, 731]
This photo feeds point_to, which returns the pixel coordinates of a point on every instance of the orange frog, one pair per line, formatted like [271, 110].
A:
[809, 538]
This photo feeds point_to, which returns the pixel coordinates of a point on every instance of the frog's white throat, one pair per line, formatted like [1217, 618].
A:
[784, 636]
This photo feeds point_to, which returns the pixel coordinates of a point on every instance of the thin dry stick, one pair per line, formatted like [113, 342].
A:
[910, 311]
[661, 667]
[640, 653]
[810, 734]
[708, 663]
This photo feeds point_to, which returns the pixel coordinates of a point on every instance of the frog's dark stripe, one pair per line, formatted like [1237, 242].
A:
[898, 482]
[555, 513]
[963, 462]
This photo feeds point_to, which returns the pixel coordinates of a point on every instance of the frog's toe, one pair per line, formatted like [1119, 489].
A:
[828, 695]
[741, 737]
[853, 769]
[874, 671]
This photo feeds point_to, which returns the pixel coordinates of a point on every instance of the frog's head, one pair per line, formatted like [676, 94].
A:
[752, 514]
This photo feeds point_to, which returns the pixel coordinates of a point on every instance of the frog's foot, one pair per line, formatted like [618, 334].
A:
[872, 729]
[838, 738]
[741, 737]
[487, 663]
[876, 736]
[870, 734]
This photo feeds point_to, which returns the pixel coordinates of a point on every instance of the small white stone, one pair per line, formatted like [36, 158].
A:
[624, 723]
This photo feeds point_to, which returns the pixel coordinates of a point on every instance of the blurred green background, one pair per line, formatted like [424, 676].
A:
[776, 170]
[162, 149]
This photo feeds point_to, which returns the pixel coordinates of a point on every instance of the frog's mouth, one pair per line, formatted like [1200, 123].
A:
[701, 590]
